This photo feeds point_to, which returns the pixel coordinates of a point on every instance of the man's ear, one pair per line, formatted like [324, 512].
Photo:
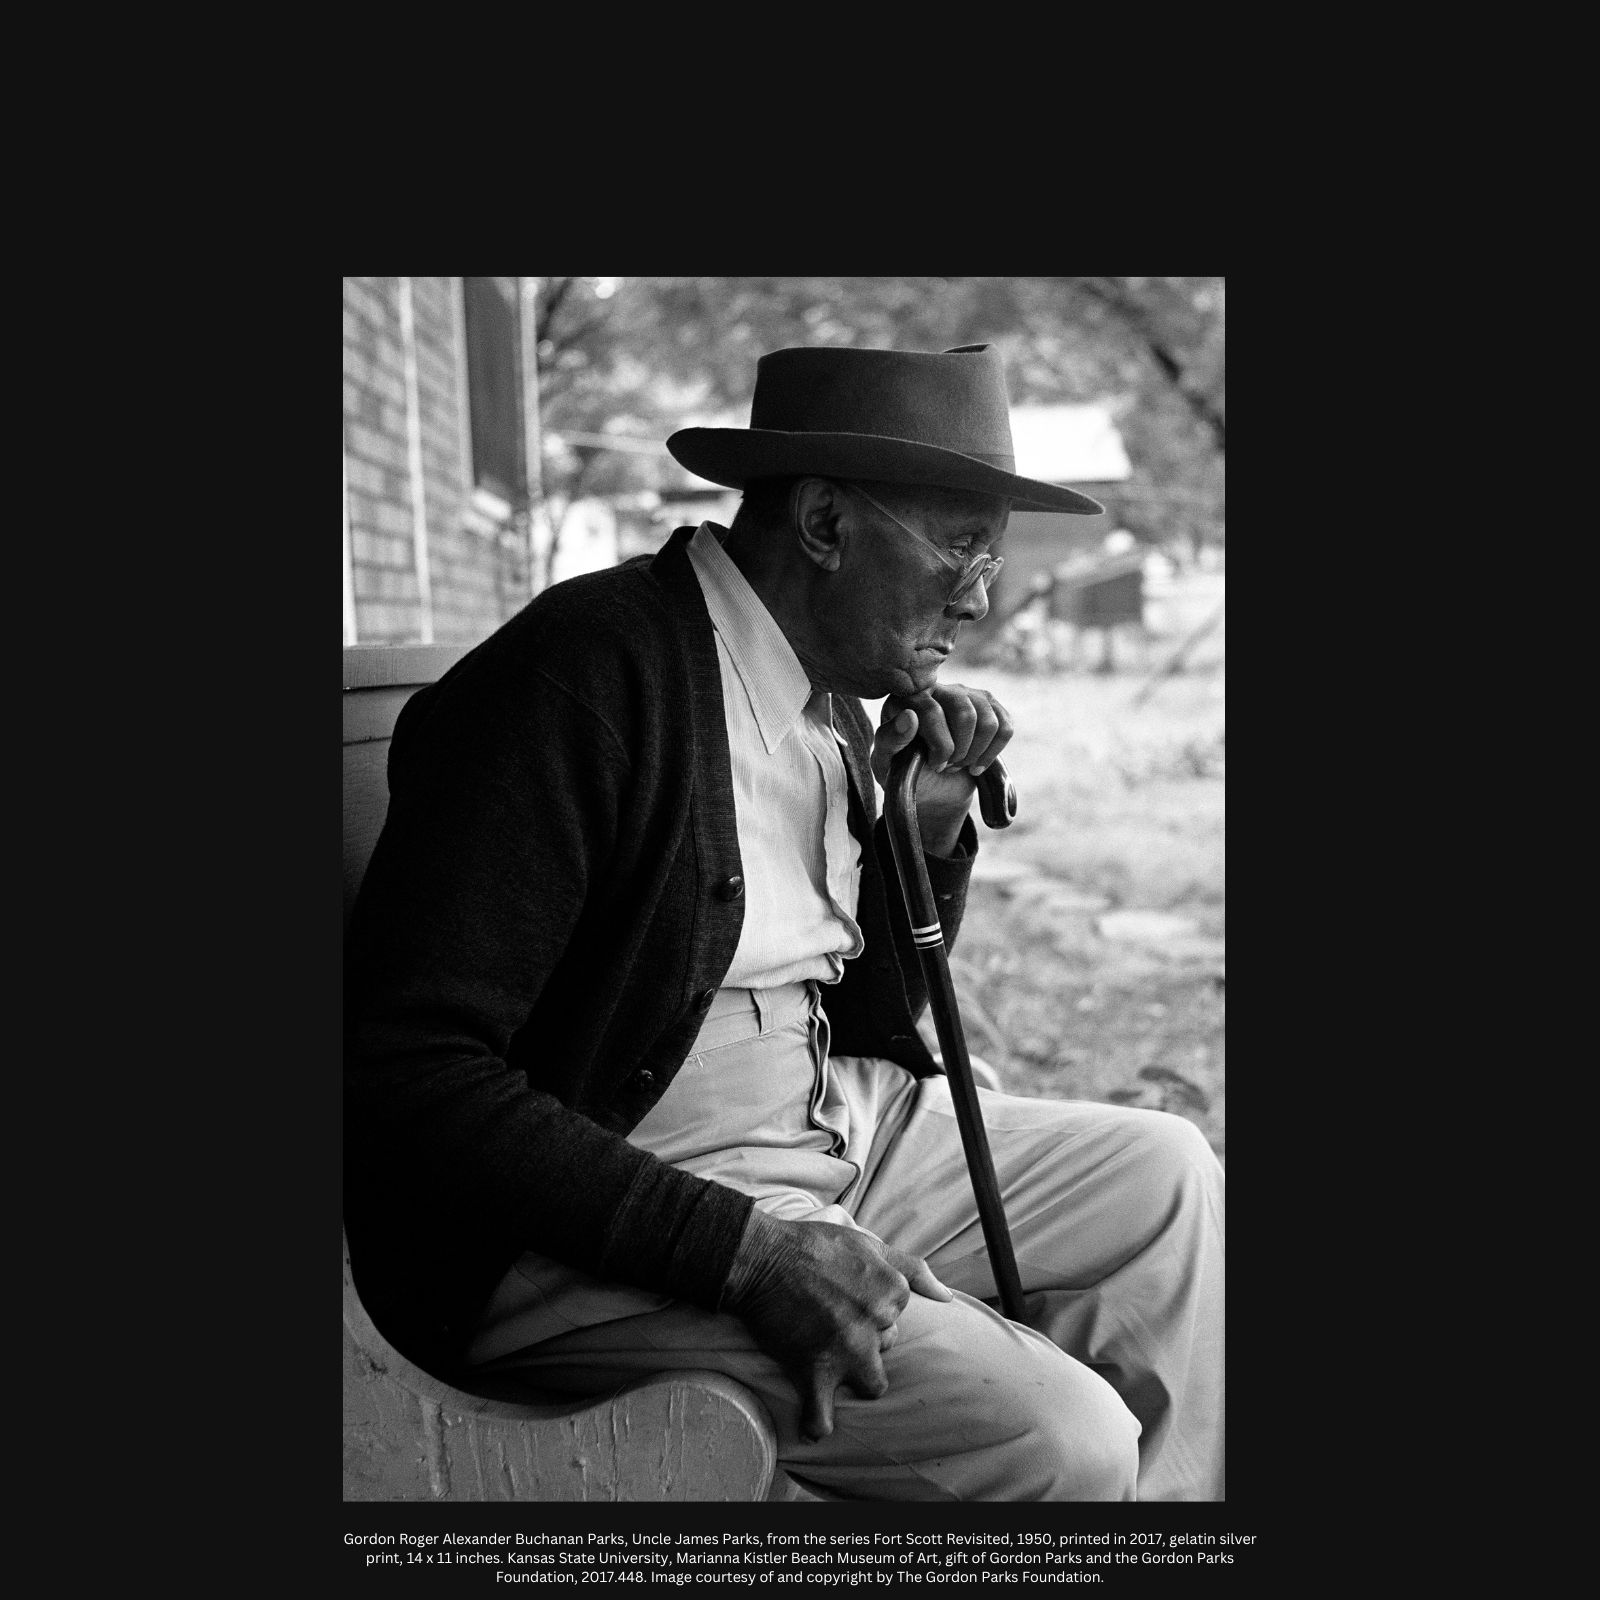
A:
[815, 509]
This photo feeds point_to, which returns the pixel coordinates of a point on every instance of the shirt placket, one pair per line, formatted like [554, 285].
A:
[828, 1111]
[824, 741]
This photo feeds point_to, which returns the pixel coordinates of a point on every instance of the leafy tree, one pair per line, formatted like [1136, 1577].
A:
[635, 358]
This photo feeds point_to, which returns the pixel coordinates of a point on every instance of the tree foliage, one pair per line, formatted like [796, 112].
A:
[636, 358]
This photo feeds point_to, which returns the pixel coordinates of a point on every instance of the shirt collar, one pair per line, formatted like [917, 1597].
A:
[770, 671]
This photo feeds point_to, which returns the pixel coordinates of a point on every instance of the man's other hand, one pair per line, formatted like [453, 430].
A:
[824, 1302]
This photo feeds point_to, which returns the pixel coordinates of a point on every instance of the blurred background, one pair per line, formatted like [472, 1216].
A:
[502, 434]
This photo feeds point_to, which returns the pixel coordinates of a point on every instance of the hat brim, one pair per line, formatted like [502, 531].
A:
[735, 457]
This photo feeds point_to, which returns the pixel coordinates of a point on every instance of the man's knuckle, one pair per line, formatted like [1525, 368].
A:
[864, 1344]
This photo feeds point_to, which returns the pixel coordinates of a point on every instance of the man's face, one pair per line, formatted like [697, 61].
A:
[888, 622]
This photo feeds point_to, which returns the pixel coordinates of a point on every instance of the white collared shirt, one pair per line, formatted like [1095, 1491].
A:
[801, 864]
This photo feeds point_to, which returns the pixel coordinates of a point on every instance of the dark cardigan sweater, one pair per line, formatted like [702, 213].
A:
[553, 901]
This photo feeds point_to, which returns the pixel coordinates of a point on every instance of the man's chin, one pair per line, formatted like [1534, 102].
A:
[905, 688]
[906, 679]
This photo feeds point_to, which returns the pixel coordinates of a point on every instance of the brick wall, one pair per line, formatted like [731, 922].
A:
[478, 567]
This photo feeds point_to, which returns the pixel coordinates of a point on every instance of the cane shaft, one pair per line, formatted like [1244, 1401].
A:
[900, 810]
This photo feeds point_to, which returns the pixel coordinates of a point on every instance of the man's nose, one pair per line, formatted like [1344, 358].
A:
[973, 606]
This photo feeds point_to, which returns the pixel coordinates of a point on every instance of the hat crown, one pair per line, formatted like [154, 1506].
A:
[955, 400]
[940, 420]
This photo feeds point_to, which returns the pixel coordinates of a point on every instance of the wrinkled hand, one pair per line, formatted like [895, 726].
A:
[963, 730]
[823, 1300]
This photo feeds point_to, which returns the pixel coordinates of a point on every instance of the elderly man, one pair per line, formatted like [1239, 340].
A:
[634, 1078]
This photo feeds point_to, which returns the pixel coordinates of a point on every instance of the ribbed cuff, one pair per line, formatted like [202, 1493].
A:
[677, 1234]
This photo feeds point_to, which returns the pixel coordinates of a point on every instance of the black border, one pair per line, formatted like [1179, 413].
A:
[268, 1181]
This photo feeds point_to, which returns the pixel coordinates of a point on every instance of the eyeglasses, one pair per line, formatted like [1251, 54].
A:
[980, 568]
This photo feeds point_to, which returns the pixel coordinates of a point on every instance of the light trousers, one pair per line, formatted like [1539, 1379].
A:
[1113, 1390]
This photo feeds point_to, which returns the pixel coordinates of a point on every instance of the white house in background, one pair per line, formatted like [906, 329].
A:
[1069, 444]
[588, 539]
[1074, 445]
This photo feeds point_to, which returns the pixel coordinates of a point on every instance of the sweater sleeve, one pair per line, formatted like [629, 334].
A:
[486, 888]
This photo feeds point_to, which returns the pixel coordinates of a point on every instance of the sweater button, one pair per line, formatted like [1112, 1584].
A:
[730, 888]
[644, 1077]
[704, 1002]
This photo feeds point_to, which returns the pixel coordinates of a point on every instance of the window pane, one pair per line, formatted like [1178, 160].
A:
[494, 381]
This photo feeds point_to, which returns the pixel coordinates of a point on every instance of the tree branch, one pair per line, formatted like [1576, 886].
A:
[549, 304]
[1139, 321]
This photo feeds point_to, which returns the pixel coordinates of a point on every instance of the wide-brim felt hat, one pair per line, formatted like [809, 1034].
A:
[900, 416]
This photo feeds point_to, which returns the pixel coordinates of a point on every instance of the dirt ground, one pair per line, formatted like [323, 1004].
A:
[1091, 961]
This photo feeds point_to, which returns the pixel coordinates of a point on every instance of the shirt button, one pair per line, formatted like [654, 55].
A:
[730, 888]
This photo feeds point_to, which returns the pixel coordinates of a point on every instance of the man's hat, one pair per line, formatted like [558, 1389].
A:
[900, 416]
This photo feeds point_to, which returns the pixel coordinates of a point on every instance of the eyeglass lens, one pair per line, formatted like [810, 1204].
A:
[984, 568]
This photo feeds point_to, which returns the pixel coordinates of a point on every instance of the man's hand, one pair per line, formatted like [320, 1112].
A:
[823, 1301]
[963, 730]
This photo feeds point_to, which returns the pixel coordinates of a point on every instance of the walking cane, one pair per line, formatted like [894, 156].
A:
[997, 803]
